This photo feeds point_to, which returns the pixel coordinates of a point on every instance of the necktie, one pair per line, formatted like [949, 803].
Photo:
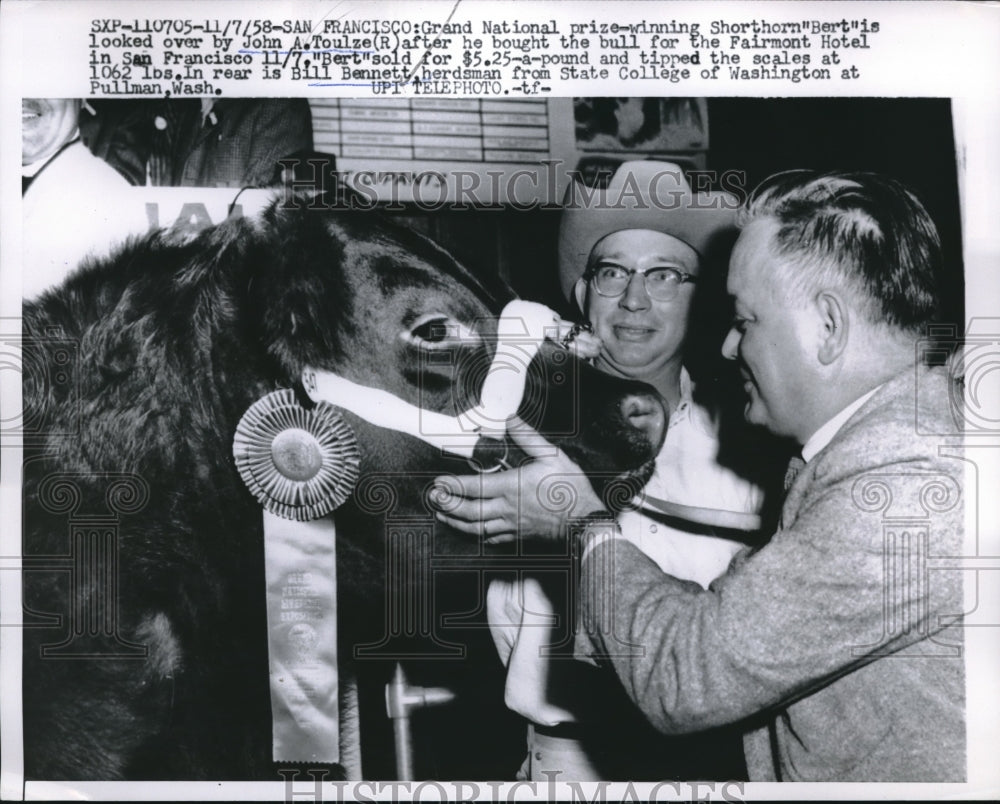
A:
[794, 467]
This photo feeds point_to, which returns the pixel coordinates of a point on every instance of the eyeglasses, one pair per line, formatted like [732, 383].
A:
[662, 284]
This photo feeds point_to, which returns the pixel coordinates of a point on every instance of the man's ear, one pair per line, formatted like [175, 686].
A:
[580, 294]
[835, 323]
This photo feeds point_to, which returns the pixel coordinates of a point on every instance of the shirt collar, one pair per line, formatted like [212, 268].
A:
[208, 111]
[684, 400]
[824, 435]
[32, 170]
[685, 383]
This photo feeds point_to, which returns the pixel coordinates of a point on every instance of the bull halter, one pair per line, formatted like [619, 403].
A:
[521, 328]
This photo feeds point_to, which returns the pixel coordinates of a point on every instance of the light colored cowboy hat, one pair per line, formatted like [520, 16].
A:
[642, 194]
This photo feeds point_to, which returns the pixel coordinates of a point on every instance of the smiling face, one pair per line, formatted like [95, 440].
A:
[774, 337]
[641, 337]
[46, 124]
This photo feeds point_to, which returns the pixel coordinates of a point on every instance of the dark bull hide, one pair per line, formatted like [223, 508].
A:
[143, 549]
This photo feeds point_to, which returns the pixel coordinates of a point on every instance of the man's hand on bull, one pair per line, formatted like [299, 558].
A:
[536, 500]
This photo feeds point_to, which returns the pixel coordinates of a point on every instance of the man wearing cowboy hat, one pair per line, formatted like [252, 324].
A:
[631, 257]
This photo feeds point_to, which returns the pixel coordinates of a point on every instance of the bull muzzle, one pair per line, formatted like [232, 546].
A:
[645, 413]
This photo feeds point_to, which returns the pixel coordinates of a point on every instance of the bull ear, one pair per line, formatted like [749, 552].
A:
[299, 291]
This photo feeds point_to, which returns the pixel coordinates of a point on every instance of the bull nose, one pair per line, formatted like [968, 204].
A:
[645, 412]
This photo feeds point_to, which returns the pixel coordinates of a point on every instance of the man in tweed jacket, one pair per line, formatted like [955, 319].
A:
[838, 645]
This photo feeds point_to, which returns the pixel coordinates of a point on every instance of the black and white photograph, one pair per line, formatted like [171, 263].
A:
[397, 439]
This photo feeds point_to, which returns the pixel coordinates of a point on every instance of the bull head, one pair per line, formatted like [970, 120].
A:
[388, 311]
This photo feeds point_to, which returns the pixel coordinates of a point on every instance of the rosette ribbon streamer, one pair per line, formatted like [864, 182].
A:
[300, 465]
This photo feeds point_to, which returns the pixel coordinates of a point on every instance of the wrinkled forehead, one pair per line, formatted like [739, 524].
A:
[753, 260]
[644, 245]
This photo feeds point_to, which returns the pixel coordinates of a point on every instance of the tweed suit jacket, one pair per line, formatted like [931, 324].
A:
[838, 645]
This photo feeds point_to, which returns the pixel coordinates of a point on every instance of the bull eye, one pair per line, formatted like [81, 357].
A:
[439, 331]
[435, 331]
